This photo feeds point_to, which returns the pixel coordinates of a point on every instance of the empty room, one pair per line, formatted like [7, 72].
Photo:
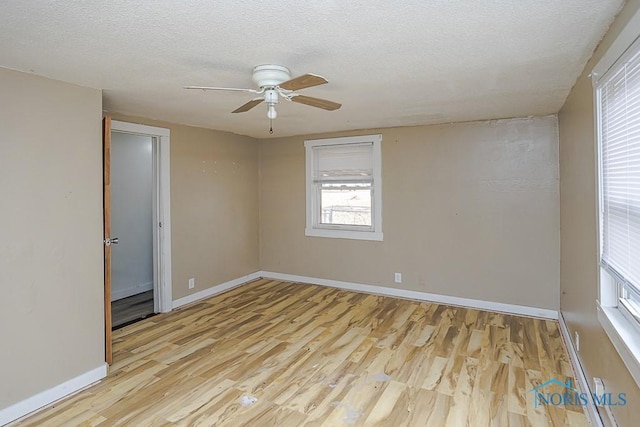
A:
[424, 213]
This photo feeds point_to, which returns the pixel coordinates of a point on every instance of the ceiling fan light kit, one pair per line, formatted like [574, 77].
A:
[275, 82]
[271, 98]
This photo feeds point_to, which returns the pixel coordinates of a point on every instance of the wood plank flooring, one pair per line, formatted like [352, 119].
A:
[275, 353]
[132, 308]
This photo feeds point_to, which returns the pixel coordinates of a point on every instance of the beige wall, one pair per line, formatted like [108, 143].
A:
[51, 309]
[469, 210]
[579, 251]
[214, 205]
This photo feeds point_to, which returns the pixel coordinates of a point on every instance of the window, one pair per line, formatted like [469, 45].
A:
[629, 299]
[618, 119]
[344, 188]
[619, 114]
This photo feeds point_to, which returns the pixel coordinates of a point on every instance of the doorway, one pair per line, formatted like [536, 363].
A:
[137, 224]
[132, 272]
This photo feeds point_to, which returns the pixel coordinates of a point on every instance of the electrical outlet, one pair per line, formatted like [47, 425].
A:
[398, 278]
[192, 283]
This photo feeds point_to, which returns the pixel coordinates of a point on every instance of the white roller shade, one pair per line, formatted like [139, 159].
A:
[619, 108]
[349, 162]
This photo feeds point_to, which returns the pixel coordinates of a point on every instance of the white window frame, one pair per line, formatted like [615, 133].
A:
[620, 326]
[313, 227]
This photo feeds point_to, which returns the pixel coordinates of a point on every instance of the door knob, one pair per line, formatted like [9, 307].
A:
[110, 241]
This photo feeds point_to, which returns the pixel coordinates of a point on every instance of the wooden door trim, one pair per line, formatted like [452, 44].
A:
[106, 161]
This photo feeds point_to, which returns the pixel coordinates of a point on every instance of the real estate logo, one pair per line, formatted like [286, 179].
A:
[571, 397]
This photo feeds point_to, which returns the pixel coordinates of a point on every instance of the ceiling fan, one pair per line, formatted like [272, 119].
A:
[274, 82]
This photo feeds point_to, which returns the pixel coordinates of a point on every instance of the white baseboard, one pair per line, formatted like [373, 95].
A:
[206, 293]
[117, 294]
[372, 289]
[26, 406]
[422, 296]
[590, 409]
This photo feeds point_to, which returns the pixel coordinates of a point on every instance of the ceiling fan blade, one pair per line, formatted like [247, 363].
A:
[316, 102]
[304, 81]
[221, 88]
[248, 106]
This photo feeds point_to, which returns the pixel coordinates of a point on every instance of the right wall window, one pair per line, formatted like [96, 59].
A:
[619, 137]
[618, 126]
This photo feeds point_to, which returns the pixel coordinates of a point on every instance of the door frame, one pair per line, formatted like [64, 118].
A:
[162, 285]
[106, 222]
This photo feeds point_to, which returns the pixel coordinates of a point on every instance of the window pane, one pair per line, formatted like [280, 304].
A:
[630, 299]
[345, 204]
[619, 102]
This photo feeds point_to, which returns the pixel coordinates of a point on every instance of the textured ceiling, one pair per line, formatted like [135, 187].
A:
[389, 63]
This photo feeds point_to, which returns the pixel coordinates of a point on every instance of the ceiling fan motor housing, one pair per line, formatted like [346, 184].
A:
[270, 75]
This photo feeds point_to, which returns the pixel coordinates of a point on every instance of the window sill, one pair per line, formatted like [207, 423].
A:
[343, 234]
[625, 337]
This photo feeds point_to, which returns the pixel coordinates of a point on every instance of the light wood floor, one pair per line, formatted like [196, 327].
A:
[314, 355]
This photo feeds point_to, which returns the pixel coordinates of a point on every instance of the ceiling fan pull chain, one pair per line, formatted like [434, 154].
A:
[271, 126]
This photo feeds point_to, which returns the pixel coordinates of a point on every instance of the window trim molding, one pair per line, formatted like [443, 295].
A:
[622, 334]
[621, 331]
[337, 231]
